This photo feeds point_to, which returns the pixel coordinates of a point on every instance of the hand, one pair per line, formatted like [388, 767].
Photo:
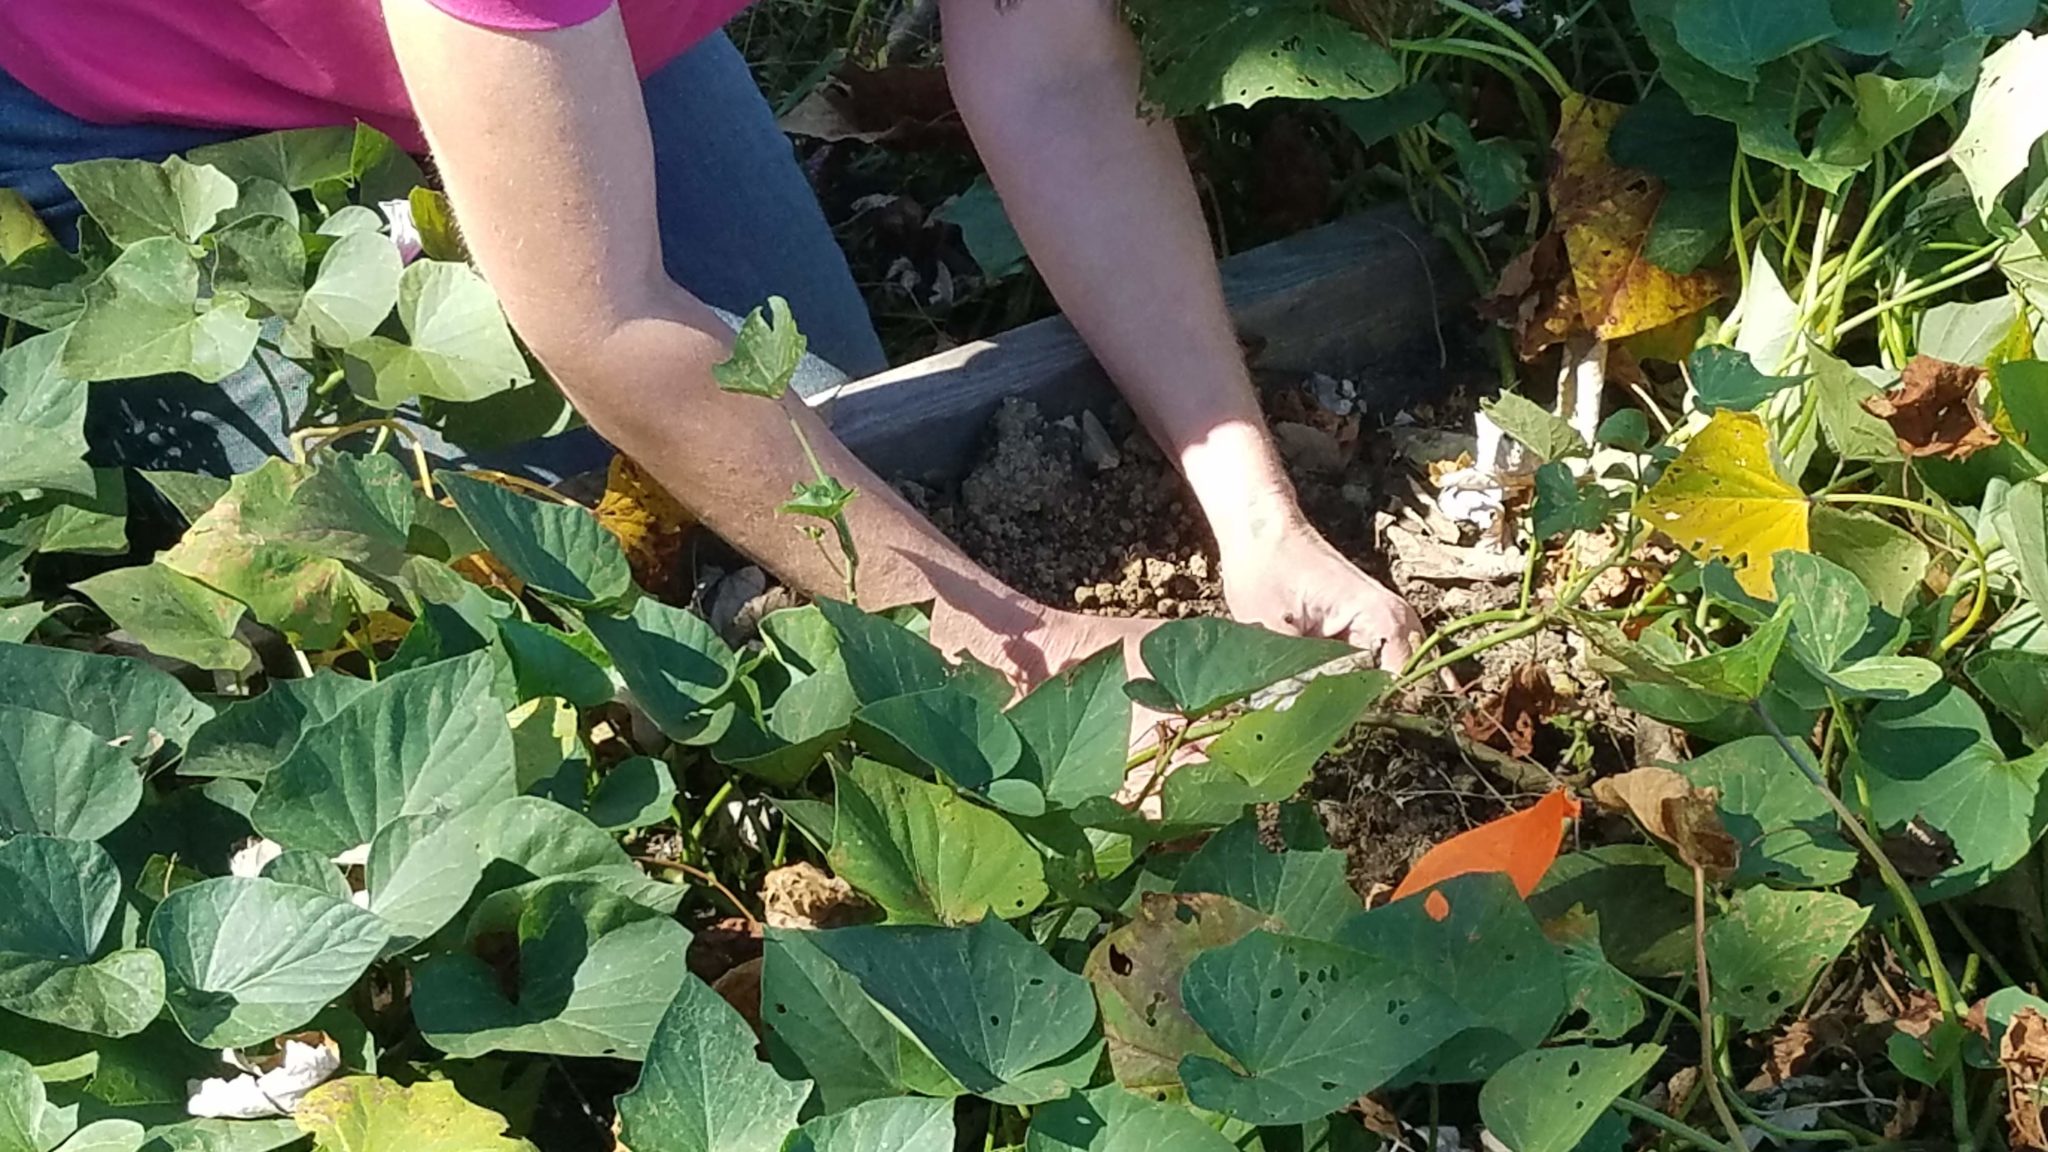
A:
[1296, 582]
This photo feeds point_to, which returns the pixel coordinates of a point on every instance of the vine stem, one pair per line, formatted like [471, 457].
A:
[1902, 894]
[1956, 524]
[1678, 1128]
[1869, 229]
[1527, 627]
[1537, 61]
[1710, 1076]
[703, 877]
[1914, 296]
[305, 439]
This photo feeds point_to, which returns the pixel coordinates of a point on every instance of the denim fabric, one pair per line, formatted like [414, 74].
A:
[739, 223]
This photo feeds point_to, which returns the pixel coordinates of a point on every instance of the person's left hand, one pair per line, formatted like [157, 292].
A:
[1296, 582]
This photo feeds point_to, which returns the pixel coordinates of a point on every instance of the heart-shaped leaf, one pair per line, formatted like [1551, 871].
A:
[172, 615]
[1722, 498]
[248, 738]
[821, 1026]
[124, 702]
[883, 658]
[28, 1120]
[702, 1089]
[1076, 728]
[1788, 834]
[1215, 53]
[904, 1124]
[558, 549]
[366, 1114]
[262, 258]
[945, 732]
[144, 317]
[590, 973]
[55, 961]
[2008, 115]
[432, 741]
[1205, 663]
[296, 159]
[246, 960]
[1765, 951]
[1111, 1119]
[421, 871]
[42, 420]
[1546, 1101]
[352, 293]
[926, 854]
[1725, 377]
[994, 1009]
[1137, 971]
[1308, 892]
[134, 200]
[1734, 37]
[460, 346]
[675, 665]
[59, 778]
[635, 793]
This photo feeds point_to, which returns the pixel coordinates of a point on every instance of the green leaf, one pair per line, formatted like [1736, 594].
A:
[557, 549]
[925, 854]
[532, 837]
[56, 960]
[765, 353]
[420, 872]
[1690, 229]
[901, 1125]
[190, 493]
[1487, 956]
[172, 615]
[28, 1121]
[262, 258]
[1868, 27]
[44, 288]
[366, 1114]
[1562, 507]
[1627, 429]
[1766, 950]
[1830, 610]
[300, 544]
[1207, 663]
[809, 717]
[702, 1089]
[1725, 377]
[986, 230]
[1661, 136]
[60, 778]
[2023, 526]
[1308, 892]
[2016, 683]
[1734, 37]
[1546, 1101]
[546, 662]
[144, 317]
[1111, 1119]
[638, 792]
[818, 499]
[1310, 1026]
[1548, 435]
[261, 197]
[353, 292]
[61, 522]
[1273, 752]
[1608, 998]
[296, 159]
[1789, 834]
[945, 732]
[1850, 429]
[2008, 115]
[124, 702]
[1644, 926]
[1934, 759]
[1377, 120]
[674, 664]
[42, 420]
[994, 1009]
[1496, 176]
[107, 1136]
[429, 741]
[134, 200]
[883, 658]
[246, 960]
[1137, 971]
[459, 346]
[1215, 53]
[308, 870]
[1890, 561]
[592, 974]
[821, 1026]
[248, 738]
[21, 230]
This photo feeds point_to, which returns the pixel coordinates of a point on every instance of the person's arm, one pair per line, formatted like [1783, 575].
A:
[542, 143]
[1104, 203]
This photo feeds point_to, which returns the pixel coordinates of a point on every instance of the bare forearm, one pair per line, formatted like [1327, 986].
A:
[1103, 200]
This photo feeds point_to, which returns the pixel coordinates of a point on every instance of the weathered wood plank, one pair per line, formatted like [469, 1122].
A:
[1371, 294]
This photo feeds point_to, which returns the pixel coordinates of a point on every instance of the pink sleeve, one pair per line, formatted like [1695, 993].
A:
[523, 15]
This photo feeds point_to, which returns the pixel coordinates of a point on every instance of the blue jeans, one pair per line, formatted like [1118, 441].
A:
[739, 223]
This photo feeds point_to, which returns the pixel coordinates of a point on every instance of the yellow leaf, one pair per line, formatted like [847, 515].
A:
[1723, 499]
[1605, 213]
[649, 524]
[20, 228]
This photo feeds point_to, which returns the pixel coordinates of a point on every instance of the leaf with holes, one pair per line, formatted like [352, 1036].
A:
[1137, 971]
[247, 960]
[1787, 832]
[926, 854]
[1215, 53]
[821, 1026]
[58, 962]
[1723, 499]
[702, 1089]
[1111, 1119]
[1546, 1101]
[994, 1009]
[1608, 998]
[1308, 892]
[1766, 950]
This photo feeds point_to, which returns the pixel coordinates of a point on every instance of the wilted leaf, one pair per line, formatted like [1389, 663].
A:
[1137, 971]
[2023, 1053]
[1934, 411]
[1672, 809]
[1605, 213]
[1722, 498]
[648, 522]
[365, 1114]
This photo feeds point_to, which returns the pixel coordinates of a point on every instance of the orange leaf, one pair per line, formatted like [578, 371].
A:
[1520, 844]
[1605, 213]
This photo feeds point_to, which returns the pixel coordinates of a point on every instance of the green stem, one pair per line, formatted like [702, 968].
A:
[1678, 1128]
[1925, 291]
[1977, 946]
[711, 808]
[1461, 624]
[1536, 60]
[1869, 229]
[1955, 524]
[1492, 640]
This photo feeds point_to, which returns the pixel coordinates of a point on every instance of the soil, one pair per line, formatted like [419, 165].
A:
[1085, 513]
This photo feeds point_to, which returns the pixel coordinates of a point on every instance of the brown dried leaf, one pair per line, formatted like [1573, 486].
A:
[1919, 850]
[2024, 1054]
[1510, 719]
[904, 106]
[1794, 1048]
[1934, 410]
[803, 896]
[741, 988]
[1605, 213]
[1670, 808]
[649, 524]
[1537, 298]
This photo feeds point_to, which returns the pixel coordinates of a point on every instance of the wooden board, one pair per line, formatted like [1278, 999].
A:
[1371, 296]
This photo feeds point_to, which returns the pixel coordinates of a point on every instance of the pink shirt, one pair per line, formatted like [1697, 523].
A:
[266, 64]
